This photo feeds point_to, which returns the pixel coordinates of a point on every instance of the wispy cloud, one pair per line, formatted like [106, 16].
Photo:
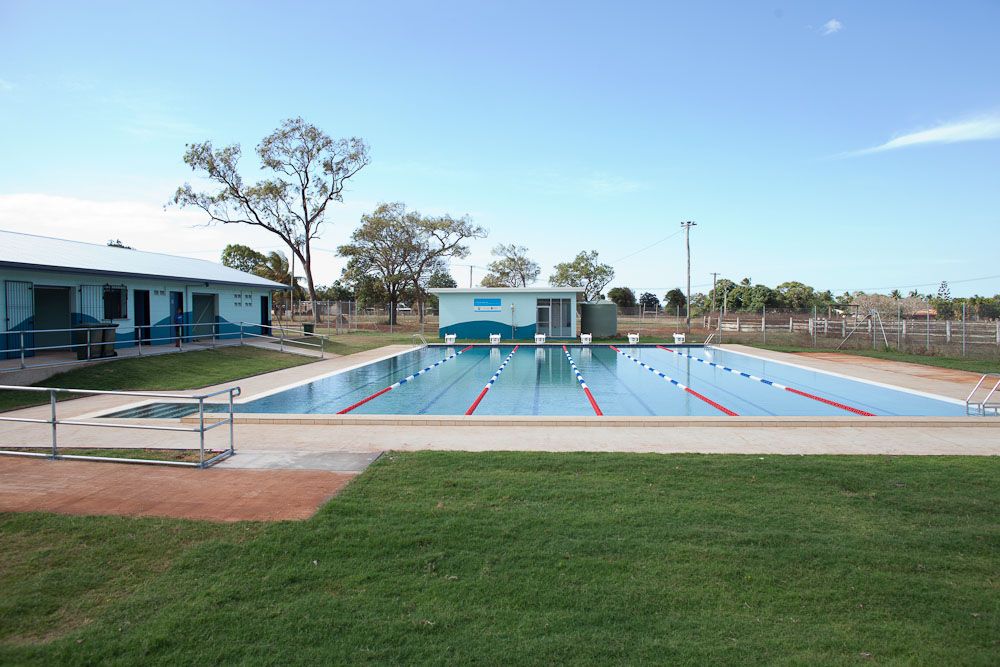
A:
[981, 128]
[605, 186]
[6, 86]
[832, 26]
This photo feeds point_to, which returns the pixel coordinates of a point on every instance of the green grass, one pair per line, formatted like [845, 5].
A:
[956, 363]
[514, 558]
[165, 372]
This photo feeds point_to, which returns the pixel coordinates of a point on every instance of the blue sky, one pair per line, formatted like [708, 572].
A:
[851, 145]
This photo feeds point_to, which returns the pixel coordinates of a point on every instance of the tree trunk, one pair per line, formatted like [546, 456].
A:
[393, 302]
[307, 266]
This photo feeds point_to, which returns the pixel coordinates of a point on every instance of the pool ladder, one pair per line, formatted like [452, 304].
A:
[708, 340]
[420, 337]
[987, 404]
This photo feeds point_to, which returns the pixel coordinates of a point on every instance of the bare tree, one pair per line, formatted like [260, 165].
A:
[308, 171]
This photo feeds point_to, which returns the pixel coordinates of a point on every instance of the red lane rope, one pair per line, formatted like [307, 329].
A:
[829, 402]
[482, 394]
[582, 383]
[401, 382]
[770, 383]
[711, 402]
[364, 400]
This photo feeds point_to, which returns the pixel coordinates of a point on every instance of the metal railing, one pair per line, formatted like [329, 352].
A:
[54, 422]
[983, 406]
[96, 348]
[283, 338]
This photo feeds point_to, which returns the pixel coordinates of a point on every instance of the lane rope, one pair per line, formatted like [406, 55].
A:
[489, 385]
[579, 378]
[771, 383]
[676, 383]
[400, 383]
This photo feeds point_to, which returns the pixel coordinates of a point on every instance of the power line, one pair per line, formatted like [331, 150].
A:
[644, 249]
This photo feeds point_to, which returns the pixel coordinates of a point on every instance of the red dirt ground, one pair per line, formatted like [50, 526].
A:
[916, 370]
[82, 487]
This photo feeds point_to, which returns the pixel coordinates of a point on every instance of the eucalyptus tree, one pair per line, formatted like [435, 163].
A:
[402, 249]
[306, 170]
[585, 273]
[512, 268]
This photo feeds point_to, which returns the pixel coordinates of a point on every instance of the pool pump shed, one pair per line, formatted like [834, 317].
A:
[513, 312]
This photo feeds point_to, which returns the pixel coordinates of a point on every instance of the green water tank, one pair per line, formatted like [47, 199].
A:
[599, 318]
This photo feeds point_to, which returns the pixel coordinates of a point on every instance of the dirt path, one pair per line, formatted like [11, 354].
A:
[83, 487]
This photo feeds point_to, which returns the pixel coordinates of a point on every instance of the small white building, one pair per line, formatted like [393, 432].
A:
[51, 286]
[512, 312]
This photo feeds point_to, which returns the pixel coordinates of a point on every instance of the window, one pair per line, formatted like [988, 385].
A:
[115, 302]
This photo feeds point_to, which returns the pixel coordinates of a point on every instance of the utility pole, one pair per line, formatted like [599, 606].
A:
[687, 225]
[715, 277]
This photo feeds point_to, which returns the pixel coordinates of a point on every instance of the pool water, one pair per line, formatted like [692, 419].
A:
[624, 381]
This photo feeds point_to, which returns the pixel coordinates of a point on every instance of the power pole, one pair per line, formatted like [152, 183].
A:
[687, 225]
[715, 277]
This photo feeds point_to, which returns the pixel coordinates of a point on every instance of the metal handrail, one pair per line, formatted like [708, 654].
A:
[220, 332]
[983, 406]
[201, 429]
[281, 340]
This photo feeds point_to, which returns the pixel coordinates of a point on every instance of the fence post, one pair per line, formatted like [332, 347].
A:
[232, 437]
[241, 332]
[963, 328]
[947, 331]
[791, 328]
[201, 431]
[763, 323]
[22, 349]
[138, 338]
[55, 442]
[843, 328]
[927, 331]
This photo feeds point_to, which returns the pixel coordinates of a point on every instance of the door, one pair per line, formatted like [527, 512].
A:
[53, 318]
[543, 320]
[203, 315]
[20, 316]
[265, 314]
[142, 323]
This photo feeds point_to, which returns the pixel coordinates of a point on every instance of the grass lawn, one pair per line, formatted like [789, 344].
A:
[957, 363]
[519, 558]
[165, 372]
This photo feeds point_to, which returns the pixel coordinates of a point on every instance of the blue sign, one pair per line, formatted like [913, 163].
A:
[486, 305]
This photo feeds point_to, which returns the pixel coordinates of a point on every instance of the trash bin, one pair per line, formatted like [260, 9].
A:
[308, 327]
[87, 341]
[109, 333]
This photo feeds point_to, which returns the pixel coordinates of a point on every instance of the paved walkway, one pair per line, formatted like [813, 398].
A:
[84, 487]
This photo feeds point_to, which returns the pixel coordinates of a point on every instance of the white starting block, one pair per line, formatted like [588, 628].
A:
[633, 339]
[679, 338]
[586, 339]
[494, 339]
[539, 339]
[449, 339]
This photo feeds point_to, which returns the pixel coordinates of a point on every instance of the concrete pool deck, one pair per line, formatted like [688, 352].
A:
[276, 435]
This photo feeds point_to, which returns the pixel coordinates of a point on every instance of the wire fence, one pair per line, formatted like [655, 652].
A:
[350, 316]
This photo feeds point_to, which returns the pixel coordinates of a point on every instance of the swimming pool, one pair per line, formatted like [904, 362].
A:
[583, 381]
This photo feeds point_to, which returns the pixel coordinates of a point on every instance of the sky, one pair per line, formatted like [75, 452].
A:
[847, 145]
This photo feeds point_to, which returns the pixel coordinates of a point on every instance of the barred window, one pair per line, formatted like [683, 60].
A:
[115, 302]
